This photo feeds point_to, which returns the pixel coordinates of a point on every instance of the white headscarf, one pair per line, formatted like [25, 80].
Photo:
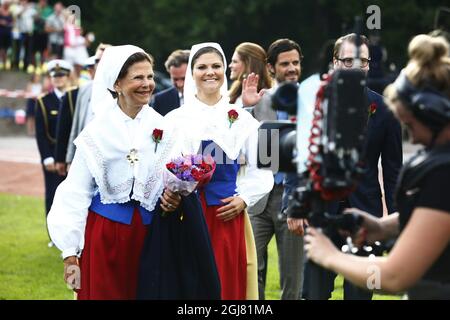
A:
[190, 89]
[106, 75]
[105, 145]
[204, 122]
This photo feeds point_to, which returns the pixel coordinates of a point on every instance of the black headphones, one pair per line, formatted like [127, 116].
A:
[428, 105]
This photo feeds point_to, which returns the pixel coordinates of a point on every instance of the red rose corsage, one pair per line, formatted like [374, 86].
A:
[157, 137]
[233, 115]
[372, 108]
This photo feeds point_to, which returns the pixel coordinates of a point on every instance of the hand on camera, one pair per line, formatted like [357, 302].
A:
[369, 231]
[319, 247]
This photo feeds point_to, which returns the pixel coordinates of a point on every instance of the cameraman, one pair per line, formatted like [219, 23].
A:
[420, 260]
[383, 139]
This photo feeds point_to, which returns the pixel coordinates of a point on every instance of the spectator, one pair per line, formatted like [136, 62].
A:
[34, 87]
[6, 23]
[75, 50]
[40, 37]
[247, 58]
[171, 98]
[54, 25]
[284, 58]
[25, 16]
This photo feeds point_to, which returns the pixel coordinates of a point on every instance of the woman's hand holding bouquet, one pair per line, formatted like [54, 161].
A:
[185, 174]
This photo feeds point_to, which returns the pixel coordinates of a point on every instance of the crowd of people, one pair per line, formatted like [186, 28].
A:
[32, 33]
[106, 199]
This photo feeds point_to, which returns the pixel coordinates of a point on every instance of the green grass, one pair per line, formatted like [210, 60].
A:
[32, 271]
[28, 268]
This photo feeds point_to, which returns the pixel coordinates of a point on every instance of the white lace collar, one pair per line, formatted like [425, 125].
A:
[203, 122]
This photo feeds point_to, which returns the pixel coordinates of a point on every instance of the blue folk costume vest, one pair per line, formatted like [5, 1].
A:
[223, 181]
[222, 185]
[121, 212]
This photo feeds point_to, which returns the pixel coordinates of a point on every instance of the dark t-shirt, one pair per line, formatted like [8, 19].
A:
[434, 194]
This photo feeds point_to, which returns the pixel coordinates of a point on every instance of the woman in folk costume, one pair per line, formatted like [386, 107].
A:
[230, 136]
[99, 214]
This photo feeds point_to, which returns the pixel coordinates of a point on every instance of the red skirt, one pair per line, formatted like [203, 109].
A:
[109, 263]
[228, 242]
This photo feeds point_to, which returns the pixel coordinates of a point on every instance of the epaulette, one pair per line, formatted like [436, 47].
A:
[42, 95]
[72, 88]
[40, 104]
[71, 101]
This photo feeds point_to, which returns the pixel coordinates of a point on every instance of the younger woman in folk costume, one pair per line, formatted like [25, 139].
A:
[229, 134]
[99, 214]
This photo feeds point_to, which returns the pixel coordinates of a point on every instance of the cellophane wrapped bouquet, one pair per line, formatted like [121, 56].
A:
[188, 172]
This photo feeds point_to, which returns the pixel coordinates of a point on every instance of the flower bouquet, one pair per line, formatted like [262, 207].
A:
[187, 173]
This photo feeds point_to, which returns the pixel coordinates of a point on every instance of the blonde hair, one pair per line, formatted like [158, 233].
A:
[428, 66]
[254, 58]
[429, 63]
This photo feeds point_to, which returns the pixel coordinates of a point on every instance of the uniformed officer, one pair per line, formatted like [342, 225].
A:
[63, 127]
[46, 111]
[65, 119]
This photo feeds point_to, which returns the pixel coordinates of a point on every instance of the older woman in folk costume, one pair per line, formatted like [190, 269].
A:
[230, 135]
[99, 215]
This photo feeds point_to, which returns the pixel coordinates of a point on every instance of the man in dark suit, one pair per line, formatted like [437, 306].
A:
[383, 139]
[47, 110]
[284, 58]
[167, 100]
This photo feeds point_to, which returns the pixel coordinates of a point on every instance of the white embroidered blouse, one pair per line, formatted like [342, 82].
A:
[105, 162]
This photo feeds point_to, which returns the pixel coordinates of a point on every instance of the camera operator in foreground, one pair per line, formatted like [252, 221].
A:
[420, 259]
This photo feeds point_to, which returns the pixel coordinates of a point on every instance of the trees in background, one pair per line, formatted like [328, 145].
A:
[160, 26]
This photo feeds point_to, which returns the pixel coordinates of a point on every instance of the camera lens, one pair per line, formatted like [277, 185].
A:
[285, 98]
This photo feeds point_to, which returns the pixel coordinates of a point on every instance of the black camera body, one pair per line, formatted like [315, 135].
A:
[326, 154]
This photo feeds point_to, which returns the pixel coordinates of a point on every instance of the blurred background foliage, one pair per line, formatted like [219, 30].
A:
[160, 26]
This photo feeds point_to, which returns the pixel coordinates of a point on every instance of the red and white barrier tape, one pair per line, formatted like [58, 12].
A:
[14, 94]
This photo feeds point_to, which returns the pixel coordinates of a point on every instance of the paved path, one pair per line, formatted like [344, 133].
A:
[20, 168]
[19, 149]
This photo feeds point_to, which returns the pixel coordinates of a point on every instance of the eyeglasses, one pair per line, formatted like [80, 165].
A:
[348, 62]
